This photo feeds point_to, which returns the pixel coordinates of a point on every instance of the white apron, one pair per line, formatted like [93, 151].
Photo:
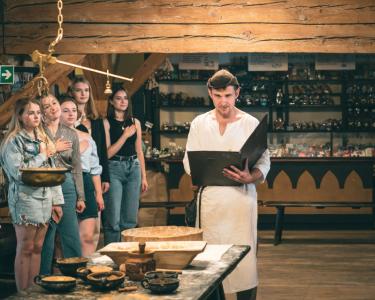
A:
[229, 214]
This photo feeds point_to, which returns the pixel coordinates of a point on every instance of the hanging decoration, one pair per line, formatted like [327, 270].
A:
[44, 59]
[108, 89]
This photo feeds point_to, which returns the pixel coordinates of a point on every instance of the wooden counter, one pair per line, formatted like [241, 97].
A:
[197, 281]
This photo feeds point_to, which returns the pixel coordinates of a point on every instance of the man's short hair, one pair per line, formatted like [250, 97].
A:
[222, 79]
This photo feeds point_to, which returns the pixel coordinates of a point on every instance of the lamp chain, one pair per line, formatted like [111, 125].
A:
[60, 31]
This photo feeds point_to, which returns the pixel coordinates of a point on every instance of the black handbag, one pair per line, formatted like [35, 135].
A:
[191, 209]
[4, 184]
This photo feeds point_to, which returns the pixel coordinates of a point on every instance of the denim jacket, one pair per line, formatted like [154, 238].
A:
[23, 152]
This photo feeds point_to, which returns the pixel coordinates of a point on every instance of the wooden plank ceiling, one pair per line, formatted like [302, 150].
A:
[164, 26]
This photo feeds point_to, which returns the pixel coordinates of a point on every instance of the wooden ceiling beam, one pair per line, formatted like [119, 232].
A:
[192, 11]
[162, 26]
[52, 72]
[194, 38]
[144, 72]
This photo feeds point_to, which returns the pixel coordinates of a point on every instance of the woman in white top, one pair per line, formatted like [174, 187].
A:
[91, 170]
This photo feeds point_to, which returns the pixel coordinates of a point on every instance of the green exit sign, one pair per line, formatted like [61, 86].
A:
[6, 74]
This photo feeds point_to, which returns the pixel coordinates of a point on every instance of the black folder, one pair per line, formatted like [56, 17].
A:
[206, 167]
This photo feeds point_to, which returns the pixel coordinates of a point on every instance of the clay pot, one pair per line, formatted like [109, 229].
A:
[139, 263]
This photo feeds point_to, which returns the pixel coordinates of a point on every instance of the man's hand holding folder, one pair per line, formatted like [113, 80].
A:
[243, 176]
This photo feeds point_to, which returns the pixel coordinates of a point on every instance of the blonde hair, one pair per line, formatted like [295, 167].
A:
[15, 125]
[90, 108]
[43, 135]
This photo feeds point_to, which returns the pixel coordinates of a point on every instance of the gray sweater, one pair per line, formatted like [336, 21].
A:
[70, 159]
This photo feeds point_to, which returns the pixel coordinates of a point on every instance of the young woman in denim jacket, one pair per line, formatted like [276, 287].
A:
[91, 170]
[30, 207]
[126, 167]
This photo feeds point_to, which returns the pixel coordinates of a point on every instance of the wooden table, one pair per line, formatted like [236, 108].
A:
[198, 281]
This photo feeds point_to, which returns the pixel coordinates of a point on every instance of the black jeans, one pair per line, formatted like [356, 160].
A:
[218, 294]
[248, 294]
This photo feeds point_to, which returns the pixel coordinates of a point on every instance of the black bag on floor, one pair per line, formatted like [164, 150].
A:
[191, 209]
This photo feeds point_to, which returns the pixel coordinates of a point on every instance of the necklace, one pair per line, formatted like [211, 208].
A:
[123, 126]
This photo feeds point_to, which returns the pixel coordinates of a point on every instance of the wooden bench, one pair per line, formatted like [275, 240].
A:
[168, 205]
[281, 205]
[163, 204]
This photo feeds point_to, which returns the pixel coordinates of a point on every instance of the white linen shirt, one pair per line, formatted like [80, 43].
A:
[204, 135]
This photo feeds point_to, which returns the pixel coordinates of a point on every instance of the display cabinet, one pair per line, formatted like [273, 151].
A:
[310, 113]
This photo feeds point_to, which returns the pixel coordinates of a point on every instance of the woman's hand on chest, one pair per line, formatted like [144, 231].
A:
[62, 144]
[129, 131]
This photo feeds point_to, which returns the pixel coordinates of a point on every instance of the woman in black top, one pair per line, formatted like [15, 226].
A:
[126, 167]
[89, 122]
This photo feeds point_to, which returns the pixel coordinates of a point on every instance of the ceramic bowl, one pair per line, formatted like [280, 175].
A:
[56, 283]
[106, 280]
[161, 275]
[161, 285]
[69, 266]
[84, 271]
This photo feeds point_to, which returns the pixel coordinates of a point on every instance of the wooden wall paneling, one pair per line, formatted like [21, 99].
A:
[344, 26]
[191, 11]
[52, 72]
[192, 38]
[157, 192]
[126, 64]
[183, 193]
[305, 191]
[63, 84]
[144, 72]
[102, 106]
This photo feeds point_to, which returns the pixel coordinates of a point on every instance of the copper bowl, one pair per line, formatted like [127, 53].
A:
[69, 266]
[56, 283]
[43, 177]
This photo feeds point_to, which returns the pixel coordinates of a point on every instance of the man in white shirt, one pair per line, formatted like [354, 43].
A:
[229, 213]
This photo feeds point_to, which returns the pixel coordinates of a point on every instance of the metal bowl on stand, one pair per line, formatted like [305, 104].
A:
[43, 177]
